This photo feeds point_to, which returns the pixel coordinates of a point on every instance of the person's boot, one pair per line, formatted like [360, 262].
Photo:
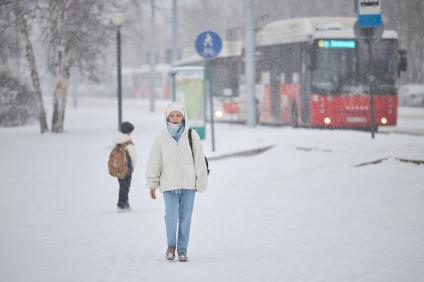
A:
[170, 253]
[182, 257]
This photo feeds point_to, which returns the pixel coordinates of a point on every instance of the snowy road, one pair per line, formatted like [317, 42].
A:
[410, 121]
[301, 211]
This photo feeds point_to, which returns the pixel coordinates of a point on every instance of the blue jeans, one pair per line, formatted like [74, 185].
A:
[178, 210]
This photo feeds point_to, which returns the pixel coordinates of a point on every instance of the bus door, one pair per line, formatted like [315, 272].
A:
[304, 88]
[275, 95]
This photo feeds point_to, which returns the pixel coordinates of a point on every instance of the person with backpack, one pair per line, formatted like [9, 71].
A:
[122, 161]
[178, 170]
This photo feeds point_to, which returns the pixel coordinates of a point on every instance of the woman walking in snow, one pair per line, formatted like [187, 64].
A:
[178, 172]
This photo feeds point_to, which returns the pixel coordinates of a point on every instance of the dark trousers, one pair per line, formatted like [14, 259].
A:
[124, 189]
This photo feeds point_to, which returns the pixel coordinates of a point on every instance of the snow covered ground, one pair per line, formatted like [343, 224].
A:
[301, 211]
[410, 121]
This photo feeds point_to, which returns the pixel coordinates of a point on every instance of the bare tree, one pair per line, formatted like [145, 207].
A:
[76, 37]
[21, 17]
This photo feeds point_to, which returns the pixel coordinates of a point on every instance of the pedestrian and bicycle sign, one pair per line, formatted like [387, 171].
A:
[369, 13]
[208, 44]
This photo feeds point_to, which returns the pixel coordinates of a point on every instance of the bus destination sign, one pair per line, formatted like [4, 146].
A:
[336, 43]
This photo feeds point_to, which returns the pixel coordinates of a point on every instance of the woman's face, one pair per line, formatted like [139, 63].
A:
[175, 117]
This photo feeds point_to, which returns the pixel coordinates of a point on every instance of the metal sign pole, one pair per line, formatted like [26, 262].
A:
[118, 50]
[371, 86]
[174, 95]
[369, 28]
[208, 45]
[209, 95]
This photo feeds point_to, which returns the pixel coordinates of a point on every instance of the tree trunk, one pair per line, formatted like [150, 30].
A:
[63, 58]
[23, 28]
[60, 94]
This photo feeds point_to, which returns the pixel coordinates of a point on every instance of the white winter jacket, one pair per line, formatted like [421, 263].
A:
[170, 165]
[121, 138]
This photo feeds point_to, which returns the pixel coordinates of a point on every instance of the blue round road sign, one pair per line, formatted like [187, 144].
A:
[208, 44]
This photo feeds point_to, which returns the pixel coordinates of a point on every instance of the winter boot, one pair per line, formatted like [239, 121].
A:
[170, 253]
[182, 257]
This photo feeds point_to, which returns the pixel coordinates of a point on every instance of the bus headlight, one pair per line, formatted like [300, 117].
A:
[383, 120]
[327, 120]
[218, 114]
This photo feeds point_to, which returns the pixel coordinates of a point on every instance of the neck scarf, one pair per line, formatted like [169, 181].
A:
[175, 129]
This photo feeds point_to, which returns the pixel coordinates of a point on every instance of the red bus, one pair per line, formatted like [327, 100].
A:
[309, 72]
[315, 74]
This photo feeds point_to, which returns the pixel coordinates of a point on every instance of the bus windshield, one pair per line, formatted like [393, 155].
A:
[342, 67]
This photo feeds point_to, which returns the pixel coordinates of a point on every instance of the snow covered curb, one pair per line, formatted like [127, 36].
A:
[402, 130]
[415, 162]
[245, 153]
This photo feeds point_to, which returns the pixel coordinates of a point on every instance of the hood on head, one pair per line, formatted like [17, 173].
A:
[176, 107]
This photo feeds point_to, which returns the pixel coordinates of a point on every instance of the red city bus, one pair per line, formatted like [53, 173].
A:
[309, 72]
[315, 74]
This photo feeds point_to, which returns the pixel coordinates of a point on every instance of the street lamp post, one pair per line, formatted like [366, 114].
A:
[174, 36]
[118, 21]
[152, 46]
[250, 65]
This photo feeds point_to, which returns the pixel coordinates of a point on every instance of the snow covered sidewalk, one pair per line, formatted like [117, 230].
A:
[300, 211]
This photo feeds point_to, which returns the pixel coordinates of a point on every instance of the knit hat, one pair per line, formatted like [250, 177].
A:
[175, 107]
[126, 127]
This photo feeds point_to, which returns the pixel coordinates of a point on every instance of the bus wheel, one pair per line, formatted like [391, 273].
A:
[293, 117]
